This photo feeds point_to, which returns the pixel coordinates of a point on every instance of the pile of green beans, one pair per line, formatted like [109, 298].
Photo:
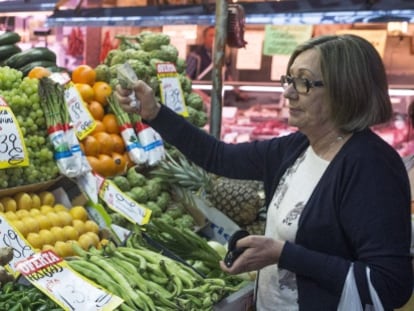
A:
[20, 297]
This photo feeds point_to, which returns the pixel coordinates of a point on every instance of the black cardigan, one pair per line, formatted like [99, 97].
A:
[359, 211]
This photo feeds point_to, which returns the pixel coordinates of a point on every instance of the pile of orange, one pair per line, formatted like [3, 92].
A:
[104, 147]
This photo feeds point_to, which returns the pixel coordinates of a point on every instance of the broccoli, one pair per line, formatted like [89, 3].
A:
[109, 56]
[156, 210]
[122, 182]
[153, 189]
[168, 53]
[139, 194]
[181, 65]
[185, 221]
[195, 101]
[186, 83]
[118, 58]
[141, 55]
[103, 73]
[153, 41]
[135, 178]
[163, 200]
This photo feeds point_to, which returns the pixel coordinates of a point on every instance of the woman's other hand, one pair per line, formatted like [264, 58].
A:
[146, 104]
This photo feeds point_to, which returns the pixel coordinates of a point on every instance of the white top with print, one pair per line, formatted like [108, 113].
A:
[277, 289]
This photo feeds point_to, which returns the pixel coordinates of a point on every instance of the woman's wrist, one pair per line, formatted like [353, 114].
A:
[152, 114]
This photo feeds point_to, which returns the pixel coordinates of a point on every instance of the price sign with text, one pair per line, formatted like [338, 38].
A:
[13, 151]
[53, 276]
[82, 120]
[170, 88]
[9, 237]
[121, 203]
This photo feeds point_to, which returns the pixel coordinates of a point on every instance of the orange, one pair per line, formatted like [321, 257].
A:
[96, 109]
[38, 72]
[119, 144]
[85, 91]
[84, 74]
[102, 90]
[94, 163]
[111, 123]
[105, 142]
[99, 127]
[108, 167]
[120, 162]
[91, 146]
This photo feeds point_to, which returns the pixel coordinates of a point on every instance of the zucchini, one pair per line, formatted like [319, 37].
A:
[9, 37]
[38, 63]
[8, 50]
[31, 55]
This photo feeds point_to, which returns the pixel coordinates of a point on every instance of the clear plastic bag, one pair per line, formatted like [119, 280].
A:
[350, 299]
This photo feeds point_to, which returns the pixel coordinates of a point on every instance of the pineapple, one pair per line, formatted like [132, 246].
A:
[240, 200]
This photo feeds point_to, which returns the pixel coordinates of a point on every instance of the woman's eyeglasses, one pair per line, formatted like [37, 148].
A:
[301, 85]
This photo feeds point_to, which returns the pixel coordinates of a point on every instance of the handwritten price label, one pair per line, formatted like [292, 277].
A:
[10, 237]
[52, 275]
[171, 91]
[82, 120]
[121, 203]
[13, 151]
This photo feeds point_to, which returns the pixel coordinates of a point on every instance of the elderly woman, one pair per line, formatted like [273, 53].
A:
[337, 195]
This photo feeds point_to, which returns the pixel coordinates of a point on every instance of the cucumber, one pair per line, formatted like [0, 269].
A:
[8, 50]
[9, 37]
[41, 63]
[31, 55]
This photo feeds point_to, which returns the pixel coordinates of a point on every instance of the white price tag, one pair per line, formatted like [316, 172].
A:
[60, 77]
[121, 203]
[9, 237]
[171, 92]
[12, 147]
[52, 275]
[82, 120]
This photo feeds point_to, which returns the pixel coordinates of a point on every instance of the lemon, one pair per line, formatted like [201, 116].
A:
[59, 207]
[11, 216]
[79, 225]
[34, 212]
[70, 233]
[45, 208]
[9, 204]
[23, 200]
[91, 226]
[47, 198]
[47, 237]
[58, 233]
[79, 212]
[86, 241]
[36, 201]
[31, 224]
[63, 249]
[48, 247]
[43, 221]
[21, 213]
[34, 240]
[65, 218]
[54, 219]
[20, 227]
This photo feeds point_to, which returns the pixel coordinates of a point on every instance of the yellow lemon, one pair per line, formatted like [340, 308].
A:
[65, 218]
[34, 240]
[9, 204]
[11, 216]
[86, 241]
[79, 225]
[36, 202]
[58, 233]
[23, 200]
[43, 221]
[79, 212]
[59, 207]
[91, 226]
[63, 249]
[34, 211]
[31, 224]
[47, 198]
[70, 233]
[20, 227]
[54, 219]
[47, 237]
[21, 213]
[45, 208]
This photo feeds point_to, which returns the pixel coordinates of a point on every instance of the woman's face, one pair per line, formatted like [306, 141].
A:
[309, 112]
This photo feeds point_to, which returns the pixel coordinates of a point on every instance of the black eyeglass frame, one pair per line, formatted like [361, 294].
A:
[284, 79]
